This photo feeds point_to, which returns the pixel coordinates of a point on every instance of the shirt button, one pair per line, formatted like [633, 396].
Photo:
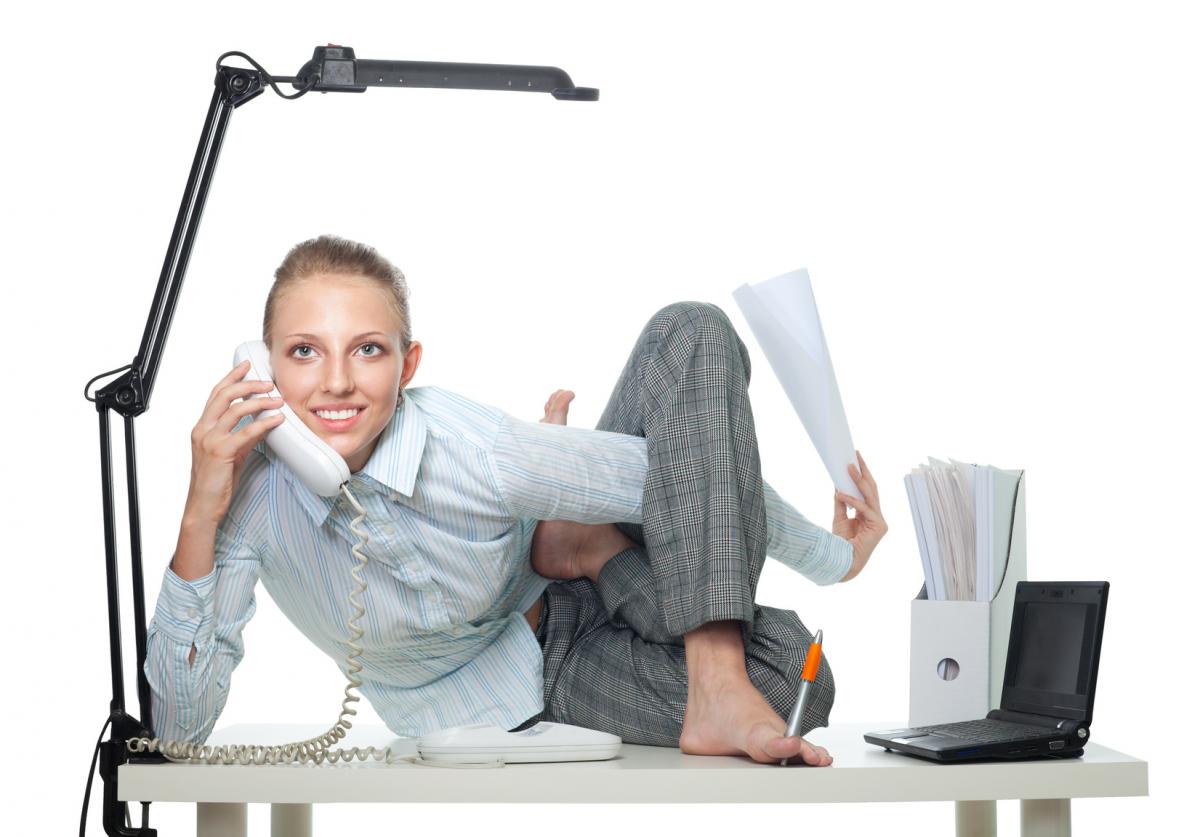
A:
[192, 612]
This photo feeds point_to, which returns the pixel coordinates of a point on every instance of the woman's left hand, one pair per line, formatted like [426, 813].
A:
[867, 527]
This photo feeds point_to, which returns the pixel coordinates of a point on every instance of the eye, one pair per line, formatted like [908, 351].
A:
[299, 347]
[377, 347]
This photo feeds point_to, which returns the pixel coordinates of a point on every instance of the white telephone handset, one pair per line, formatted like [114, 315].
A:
[319, 466]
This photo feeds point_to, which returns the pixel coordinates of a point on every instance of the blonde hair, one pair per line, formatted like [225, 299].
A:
[332, 254]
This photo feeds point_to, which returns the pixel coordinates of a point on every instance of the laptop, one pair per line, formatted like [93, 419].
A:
[1049, 683]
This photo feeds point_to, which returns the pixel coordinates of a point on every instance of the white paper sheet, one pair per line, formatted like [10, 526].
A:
[782, 313]
[929, 562]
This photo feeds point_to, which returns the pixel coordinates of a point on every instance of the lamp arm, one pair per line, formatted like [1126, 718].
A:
[336, 69]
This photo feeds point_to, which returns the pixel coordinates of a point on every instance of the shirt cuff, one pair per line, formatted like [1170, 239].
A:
[184, 612]
[834, 555]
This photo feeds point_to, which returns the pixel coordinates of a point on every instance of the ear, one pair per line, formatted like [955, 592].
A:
[411, 361]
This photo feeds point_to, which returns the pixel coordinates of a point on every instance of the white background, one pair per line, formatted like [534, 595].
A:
[997, 204]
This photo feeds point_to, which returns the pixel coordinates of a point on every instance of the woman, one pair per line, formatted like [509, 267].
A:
[651, 632]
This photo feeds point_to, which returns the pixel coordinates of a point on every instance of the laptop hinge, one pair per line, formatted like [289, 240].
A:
[1064, 724]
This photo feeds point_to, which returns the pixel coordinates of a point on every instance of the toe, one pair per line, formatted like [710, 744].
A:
[556, 406]
[767, 744]
[814, 755]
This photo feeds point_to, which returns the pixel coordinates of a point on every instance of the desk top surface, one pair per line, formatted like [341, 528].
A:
[860, 772]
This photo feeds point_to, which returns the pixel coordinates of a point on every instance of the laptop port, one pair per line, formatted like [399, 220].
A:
[1057, 745]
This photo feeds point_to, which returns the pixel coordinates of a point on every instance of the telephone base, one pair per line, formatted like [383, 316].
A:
[545, 741]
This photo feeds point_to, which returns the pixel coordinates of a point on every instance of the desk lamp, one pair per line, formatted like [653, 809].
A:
[333, 69]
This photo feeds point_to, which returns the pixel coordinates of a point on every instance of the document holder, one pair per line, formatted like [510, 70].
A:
[959, 648]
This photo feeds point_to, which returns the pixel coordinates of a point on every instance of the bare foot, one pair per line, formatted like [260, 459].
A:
[556, 406]
[565, 549]
[733, 718]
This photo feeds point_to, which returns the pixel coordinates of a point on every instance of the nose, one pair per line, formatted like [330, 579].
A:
[338, 376]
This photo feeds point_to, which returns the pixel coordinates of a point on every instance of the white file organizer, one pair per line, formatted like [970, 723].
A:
[974, 635]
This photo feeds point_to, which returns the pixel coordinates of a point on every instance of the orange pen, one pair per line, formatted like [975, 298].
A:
[807, 676]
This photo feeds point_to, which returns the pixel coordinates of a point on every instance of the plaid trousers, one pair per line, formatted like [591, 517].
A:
[613, 651]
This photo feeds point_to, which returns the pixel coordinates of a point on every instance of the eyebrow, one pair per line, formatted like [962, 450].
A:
[316, 339]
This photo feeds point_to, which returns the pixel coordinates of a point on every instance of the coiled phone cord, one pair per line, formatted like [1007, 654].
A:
[316, 750]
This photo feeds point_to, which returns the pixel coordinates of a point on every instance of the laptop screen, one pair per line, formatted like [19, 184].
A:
[1054, 649]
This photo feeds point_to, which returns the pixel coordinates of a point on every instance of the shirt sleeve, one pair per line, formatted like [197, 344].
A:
[817, 554]
[209, 612]
[553, 472]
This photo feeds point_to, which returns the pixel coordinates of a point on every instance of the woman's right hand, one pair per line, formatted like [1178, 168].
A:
[218, 453]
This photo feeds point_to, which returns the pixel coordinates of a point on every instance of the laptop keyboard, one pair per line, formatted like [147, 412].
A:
[989, 730]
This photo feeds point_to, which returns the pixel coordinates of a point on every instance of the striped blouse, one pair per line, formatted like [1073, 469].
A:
[453, 491]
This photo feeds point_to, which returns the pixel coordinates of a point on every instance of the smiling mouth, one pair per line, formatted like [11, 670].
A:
[338, 415]
[338, 419]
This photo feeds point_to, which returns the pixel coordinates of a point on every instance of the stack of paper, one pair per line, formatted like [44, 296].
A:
[963, 515]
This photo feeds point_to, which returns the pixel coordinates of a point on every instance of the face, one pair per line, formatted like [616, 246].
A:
[335, 352]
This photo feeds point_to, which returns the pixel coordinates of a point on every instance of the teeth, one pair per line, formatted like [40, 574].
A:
[337, 414]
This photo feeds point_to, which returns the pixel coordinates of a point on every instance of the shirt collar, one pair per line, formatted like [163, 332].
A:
[392, 467]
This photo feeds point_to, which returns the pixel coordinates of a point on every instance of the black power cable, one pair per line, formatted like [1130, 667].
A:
[87, 792]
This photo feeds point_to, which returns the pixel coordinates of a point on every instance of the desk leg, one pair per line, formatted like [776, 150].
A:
[975, 818]
[220, 819]
[291, 820]
[1045, 818]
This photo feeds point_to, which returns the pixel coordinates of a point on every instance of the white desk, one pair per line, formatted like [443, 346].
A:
[860, 773]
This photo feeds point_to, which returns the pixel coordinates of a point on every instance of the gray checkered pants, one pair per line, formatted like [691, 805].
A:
[613, 651]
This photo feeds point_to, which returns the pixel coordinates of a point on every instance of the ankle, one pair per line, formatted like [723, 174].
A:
[716, 656]
[608, 544]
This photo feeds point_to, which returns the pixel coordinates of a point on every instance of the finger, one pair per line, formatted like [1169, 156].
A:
[229, 393]
[863, 487]
[236, 412]
[866, 512]
[234, 374]
[859, 506]
[839, 509]
[233, 445]
[867, 487]
[862, 464]
[250, 436]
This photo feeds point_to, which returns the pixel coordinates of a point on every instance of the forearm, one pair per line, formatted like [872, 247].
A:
[187, 698]
[182, 684]
[194, 638]
[551, 472]
[194, 555]
[796, 542]
[194, 551]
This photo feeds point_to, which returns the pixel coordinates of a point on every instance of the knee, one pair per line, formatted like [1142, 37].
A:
[699, 324]
[692, 318]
